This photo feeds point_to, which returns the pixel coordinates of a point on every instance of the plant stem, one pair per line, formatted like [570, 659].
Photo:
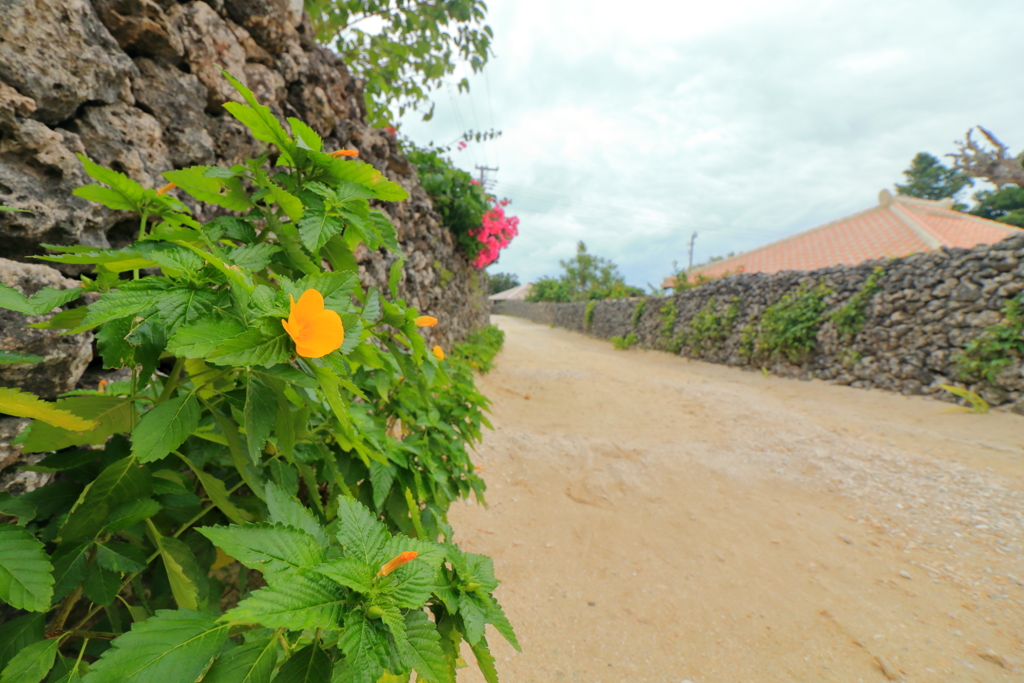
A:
[65, 612]
[172, 380]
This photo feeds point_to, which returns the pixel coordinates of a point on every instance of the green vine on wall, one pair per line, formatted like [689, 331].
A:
[709, 328]
[638, 312]
[849, 318]
[789, 327]
[588, 315]
[626, 342]
[997, 346]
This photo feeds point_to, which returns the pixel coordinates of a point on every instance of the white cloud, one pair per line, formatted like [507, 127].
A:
[631, 127]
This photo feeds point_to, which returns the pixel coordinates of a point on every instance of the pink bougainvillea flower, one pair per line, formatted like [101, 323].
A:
[315, 330]
[426, 321]
[344, 153]
[166, 188]
[392, 565]
[438, 353]
[391, 130]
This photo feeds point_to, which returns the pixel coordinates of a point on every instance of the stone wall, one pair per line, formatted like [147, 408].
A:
[928, 307]
[135, 85]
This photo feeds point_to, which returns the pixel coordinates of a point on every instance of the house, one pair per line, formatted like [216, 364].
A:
[898, 226]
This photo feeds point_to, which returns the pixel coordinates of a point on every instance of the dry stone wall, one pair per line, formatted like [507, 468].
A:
[135, 85]
[927, 308]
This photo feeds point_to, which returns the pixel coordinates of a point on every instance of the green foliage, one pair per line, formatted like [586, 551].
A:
[1005, 205]
[667, 315]
[626, 342]
[500, 282]
[461, 202]
[851, 316]
[709, 328]
[977, 404]
[227, 456]
[592, 277]
[549, 289]
[998, 346]
[638, 312]
[789, 327]
[588, 315]
[927, 178]
[418, 46]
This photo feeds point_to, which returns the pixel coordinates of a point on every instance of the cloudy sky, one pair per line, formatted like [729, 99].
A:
[630, 127]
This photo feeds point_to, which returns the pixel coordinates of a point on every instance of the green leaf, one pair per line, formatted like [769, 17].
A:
[67, 670]
[122, 481]
[43, 301]
[291, 204]
[260, 121]
[130, 191]
[410, 585]
[101, 585]
[305, 136]
[22, 404]
[286, 509]
[253, 256]
[17, 506]
[316, 227]
[129, 514]
[301, 602]
[120, 557]
[120, 303]
[65, 320]
[31, 664]
[362, 173]
[395, 276]
[361, 533]
[265, 345]
[69, 565]
[309, 665]
[175, 259]
[351, 573]
[423, 649]
[218, 495]
[199, 338]
[270, 548]
[366, 650]
[174, 646]
[496, 616]
[250, 663]
[10, 357]
[112, 199]
[260, 415]
[165, 427]
[112, 413]
[473, 617]
[19, 633]
[485, 660]
[26, 575]
[225, 192]
[182, 569]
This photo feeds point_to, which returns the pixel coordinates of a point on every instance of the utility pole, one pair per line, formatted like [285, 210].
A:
[693, 238]
[482, 178]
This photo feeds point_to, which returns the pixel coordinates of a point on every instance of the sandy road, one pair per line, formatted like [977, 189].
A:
[659, 519]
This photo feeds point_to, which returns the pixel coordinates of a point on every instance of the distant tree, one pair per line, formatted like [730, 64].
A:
[585, 272]
[927, 178]
[502, 281]
[549, 289]
[1005, 205]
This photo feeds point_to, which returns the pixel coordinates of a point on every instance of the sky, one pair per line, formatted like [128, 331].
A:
[745, 121]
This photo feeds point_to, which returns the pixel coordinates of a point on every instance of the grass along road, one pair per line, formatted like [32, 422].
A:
[658, 519]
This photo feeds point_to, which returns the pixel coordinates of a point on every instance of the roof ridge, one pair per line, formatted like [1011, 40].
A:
[962, 215]
[920, 230]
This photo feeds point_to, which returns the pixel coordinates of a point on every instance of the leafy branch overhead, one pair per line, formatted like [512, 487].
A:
[267, 496]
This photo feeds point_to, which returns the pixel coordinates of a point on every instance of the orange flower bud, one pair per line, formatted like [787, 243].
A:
[438, 353]
[426, 321]
[102, 386]
[344, 153]
[392, 565]
[166, 188]
[315, 330]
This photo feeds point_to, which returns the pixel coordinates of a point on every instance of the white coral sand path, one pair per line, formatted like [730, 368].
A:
[657, 519]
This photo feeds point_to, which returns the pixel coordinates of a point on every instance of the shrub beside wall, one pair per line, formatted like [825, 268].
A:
[900, 325]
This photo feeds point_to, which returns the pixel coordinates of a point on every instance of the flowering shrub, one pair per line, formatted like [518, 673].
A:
[495, 232]
[266, 497]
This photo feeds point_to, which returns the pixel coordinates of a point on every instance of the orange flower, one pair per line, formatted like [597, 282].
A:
[392, 565]
[315, 330]
[166, 188]
[344, 153]
[439, 353]
[426, 321]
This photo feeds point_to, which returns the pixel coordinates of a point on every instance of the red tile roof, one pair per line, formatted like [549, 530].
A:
[898, 226]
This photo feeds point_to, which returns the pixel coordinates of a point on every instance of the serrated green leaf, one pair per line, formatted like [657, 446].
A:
[120, 557]
[361, 533]
[174, 646]
[250, 663]
[316, 227]
[19, 633]
[120, 482]
[309, 665]
[473, 617]
[410, 585]
[225, 192]
[120, 303]
[165, 427]
[286, 509]
[174, 258]
[485, 660]
[302, 601]
[257, 117]
[260, 415]
[349, 572]
[112, 199]
[112, 413]
[362, 173]
[42, 302]
[199, 338]
[22, 404]
[101, 585]
[26, 575]
[496, 616]
[305, 136]
[265, 345]
[67, 670]
[366, 650]
[395, 276]
[10, 357]
[421, 649]
[270, 548]
[131, 192]
[218, 495]
[291, 204]
[31, 664]
[69, 319]
[69, 565]
[182, 569]
[253, 256]
[129, 514]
